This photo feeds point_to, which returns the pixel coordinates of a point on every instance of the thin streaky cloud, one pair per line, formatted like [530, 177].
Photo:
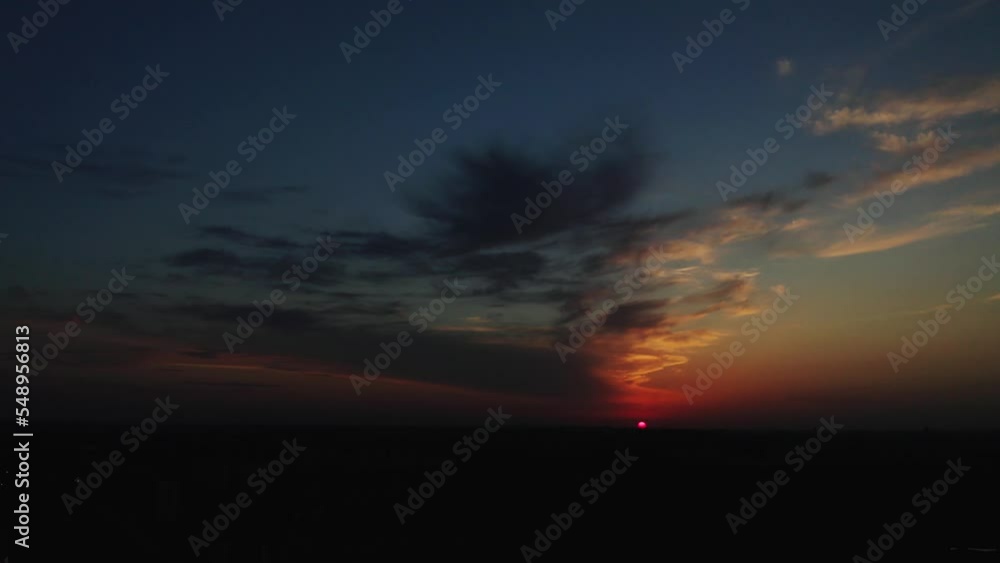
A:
[910, 176]
[928, 107]
[945, 223]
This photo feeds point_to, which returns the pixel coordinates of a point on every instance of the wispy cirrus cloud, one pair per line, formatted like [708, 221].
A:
[876, 242]
[817, 180]
[927, 107]
[949, 167]
[971, 211]
[263, 196]
[244, 238]
[944, 223]
[900, 144]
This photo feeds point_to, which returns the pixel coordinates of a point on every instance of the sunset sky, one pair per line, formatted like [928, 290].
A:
[726, 260]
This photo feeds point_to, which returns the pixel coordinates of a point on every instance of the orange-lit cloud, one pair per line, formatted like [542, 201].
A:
[925, 108]
[948, 222]
[900, 144]
[878, 243]
[784, 66]
[970, 211]
[948, 168]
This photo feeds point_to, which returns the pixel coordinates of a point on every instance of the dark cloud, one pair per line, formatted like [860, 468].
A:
[472, 210]
[229, 384]
[637, 316]
[503, 270]
[768, 200]
[370, 309]
[723, 292]
[118, 177]
[283, 317]
[459, 359]
[237, 236]
[374, 245]
[464, 361]
[207, 312]
[263, 270]
[203, 354]
[563, 260]
[209, 260]
[816, 180]
[625, 238]
[260, 196]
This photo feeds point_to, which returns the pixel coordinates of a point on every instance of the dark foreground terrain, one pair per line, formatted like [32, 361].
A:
[335, 501]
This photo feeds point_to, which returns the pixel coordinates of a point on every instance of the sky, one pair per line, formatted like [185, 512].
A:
[869, 215]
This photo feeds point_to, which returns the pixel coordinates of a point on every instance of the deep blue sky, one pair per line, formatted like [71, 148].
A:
[354, 119]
